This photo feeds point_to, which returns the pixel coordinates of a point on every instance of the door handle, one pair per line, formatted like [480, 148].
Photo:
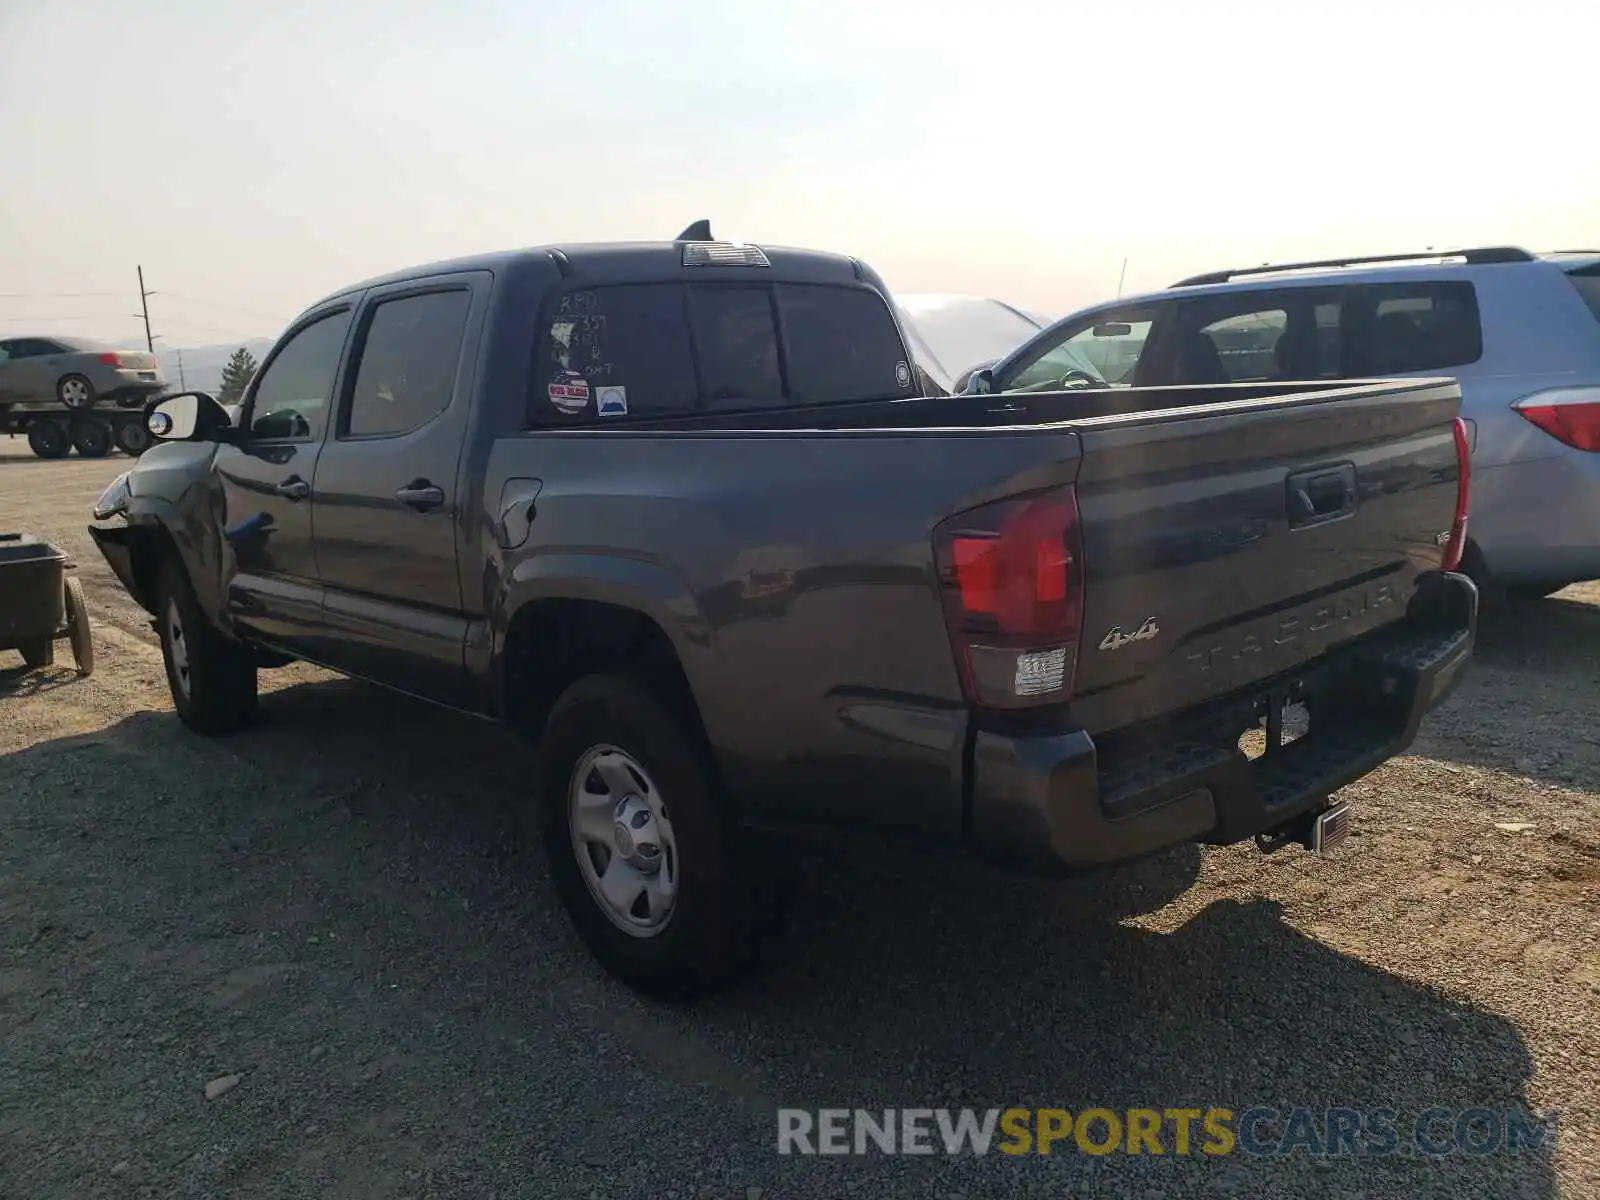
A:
[1322, 495]
[420, 495]
[293, 488]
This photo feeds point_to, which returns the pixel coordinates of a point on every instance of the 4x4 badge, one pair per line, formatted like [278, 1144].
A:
[1116, 639]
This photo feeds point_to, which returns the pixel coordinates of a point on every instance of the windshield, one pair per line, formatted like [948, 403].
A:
[952, 333]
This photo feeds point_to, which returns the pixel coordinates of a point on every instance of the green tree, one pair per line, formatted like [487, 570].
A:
[236, 376]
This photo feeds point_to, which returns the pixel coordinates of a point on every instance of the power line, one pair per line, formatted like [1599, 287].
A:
[53, 295]
[74, 317]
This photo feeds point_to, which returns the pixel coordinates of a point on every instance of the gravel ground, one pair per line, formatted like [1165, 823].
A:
[332, 916]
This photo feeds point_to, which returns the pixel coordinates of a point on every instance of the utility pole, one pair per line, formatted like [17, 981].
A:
[1120, 280]
[182, 382]
[144, 305]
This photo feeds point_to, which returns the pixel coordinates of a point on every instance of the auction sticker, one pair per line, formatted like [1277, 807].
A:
[569, 392]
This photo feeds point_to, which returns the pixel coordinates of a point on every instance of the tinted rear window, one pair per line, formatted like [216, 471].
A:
[614, 351]
[843, 346]
[1587, 281]
[670, 349]
[737, 337]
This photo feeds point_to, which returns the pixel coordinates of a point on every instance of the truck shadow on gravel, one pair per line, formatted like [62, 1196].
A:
[1529, 704]
[352, 874]
[362, 856]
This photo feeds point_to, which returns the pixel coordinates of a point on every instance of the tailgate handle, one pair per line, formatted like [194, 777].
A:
[1323, 495]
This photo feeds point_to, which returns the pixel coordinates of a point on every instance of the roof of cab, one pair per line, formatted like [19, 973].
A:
[634, 262]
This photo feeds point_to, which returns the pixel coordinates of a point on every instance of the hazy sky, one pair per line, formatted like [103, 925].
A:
[255, 156]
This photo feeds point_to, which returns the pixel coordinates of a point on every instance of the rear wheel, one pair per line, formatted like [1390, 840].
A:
[75, 392]
[91, 437]
[133, 438]
[644, 858]
[48, 439]
[212, 678]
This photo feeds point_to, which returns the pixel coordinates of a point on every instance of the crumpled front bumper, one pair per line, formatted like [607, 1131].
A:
[116, 545]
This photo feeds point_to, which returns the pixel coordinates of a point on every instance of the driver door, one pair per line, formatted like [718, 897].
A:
[269, 566]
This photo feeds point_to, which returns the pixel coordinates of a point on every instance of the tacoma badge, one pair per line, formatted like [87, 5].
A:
[1116, 639]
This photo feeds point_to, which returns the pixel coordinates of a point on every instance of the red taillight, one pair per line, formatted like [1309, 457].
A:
[1012, 577]
[1570, 415]
[110, 360]
[1457, 545]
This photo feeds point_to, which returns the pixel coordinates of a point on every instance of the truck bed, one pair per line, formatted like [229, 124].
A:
[798, 546]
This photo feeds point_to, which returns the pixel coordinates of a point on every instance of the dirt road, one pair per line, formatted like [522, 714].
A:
[332, 923]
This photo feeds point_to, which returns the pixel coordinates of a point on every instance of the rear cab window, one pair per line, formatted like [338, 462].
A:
[618, 352]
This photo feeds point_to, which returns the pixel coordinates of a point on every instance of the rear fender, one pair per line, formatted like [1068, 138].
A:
[645, 587]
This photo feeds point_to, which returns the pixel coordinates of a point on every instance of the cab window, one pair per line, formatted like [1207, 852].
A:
[293, 392]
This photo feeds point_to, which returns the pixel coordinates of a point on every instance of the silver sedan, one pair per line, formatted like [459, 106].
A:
[75, 372]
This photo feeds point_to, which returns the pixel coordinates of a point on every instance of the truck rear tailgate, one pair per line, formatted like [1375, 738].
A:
[1229, 545]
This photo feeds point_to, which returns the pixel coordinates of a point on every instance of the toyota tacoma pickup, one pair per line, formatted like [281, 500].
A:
[677, 512]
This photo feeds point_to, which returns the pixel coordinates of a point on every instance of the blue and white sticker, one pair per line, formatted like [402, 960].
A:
[902, 373]
[612, 401]
[569, 392]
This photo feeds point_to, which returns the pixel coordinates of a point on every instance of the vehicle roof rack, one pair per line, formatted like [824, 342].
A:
[1482, 254]
[700, 231]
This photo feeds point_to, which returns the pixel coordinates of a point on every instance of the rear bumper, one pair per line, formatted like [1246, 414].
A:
[1062, 798]
[130, 389]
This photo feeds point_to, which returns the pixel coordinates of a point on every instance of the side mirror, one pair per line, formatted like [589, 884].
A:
[979, 381]
[189, 417]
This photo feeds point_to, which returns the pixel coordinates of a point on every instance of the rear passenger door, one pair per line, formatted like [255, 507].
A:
[387, 500]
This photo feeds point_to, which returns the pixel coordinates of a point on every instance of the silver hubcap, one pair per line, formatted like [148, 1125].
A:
[178, 648]
[622, 835]
[74, 391]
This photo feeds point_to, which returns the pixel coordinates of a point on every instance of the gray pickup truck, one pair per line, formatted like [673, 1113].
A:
[677, 512]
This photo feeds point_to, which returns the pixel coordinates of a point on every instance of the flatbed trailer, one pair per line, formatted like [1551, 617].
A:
[54, 431]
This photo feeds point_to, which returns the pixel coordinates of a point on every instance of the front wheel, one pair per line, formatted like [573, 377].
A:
[641, 850]
[212, 678]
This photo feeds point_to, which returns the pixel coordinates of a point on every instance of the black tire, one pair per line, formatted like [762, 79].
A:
[91, 437]
[48, 439]
[212, 677]
[709, 938]
[75, 392]
[41, 653]
[78, 632]
[133, 438]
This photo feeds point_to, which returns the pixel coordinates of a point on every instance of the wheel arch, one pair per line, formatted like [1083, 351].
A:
[572, 615]
[152, 541]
